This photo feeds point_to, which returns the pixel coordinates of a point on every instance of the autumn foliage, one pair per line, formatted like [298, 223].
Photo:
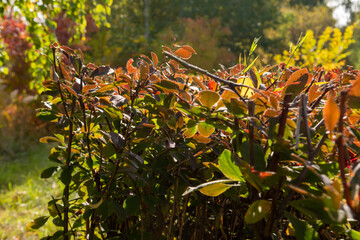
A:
[164, 149]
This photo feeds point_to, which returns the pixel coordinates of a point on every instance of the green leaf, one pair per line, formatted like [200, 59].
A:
[354, 234]
[190, 132]
[167, 84]
[354, 102]
[215, 189]
[252, 63]
[205, 129]
[49, 139]
[65, 176]
[257, 211]
[47, 173]
[208, 98]
[132, 205]
[228, 167]
[37, 223]
[259, 156]
[235, 107]
[303, 231]
[46, 116]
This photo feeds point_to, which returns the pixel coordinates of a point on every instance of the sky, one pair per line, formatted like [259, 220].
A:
[342, 18]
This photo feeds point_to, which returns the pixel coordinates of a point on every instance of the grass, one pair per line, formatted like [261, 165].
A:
[24, 195]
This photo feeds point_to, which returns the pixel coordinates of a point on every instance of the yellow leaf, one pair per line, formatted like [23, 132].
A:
[208, 98]
[228, 95]
[205, 129]
[331, 112]
[215, 189]
[190, 132]
[49, 139]
[246, 92]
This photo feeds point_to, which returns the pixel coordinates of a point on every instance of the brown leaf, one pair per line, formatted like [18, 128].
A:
[270, 113]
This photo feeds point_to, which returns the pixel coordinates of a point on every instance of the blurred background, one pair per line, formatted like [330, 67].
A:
[110, 32]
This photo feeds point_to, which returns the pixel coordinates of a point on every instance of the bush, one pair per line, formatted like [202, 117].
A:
[154, 152]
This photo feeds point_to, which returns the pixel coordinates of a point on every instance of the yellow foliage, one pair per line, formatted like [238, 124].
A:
[329, 50]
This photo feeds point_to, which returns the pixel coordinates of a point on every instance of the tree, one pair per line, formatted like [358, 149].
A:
[41, 24]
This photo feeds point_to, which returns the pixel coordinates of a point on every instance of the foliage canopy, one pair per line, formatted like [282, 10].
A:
[155, 151]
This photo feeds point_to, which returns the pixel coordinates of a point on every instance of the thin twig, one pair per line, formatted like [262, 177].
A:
[341, 147]
[251, 107]
[303, 105]
[231, 85]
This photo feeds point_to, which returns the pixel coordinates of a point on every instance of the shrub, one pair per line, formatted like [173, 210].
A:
[154, 152]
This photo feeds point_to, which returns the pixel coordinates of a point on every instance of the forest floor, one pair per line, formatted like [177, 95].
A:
[24, 195]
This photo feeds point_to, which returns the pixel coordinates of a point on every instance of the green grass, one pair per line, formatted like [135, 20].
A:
[24, 195]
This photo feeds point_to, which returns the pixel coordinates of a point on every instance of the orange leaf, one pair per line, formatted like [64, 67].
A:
[165, 48]
[212, 85]
[130, 67]
[296, 79]
[355, 88]
[198, 82]
[201, 139]
[331, 112]
[87, 88]
[270, 113]
[183, 53]
[190, 49]
[274, 102]
[313, 93]
[154, 58]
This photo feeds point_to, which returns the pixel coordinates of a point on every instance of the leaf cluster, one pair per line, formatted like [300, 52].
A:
[164, 149]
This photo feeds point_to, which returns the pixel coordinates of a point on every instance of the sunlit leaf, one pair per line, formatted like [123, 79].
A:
[190, 49]
[105, 88]
[144, 70]
[228, 167]
[183, 53]
[270, 113]
[130, 68]
[198, 82]
[215, 189]
[201, 139]
[244, 91]
[355, 87]
[257, 211]
[154, 58]
[205, 129]
[190, 132]
[49, 139]
[203, 185]
[331, 112]
[208, 98]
